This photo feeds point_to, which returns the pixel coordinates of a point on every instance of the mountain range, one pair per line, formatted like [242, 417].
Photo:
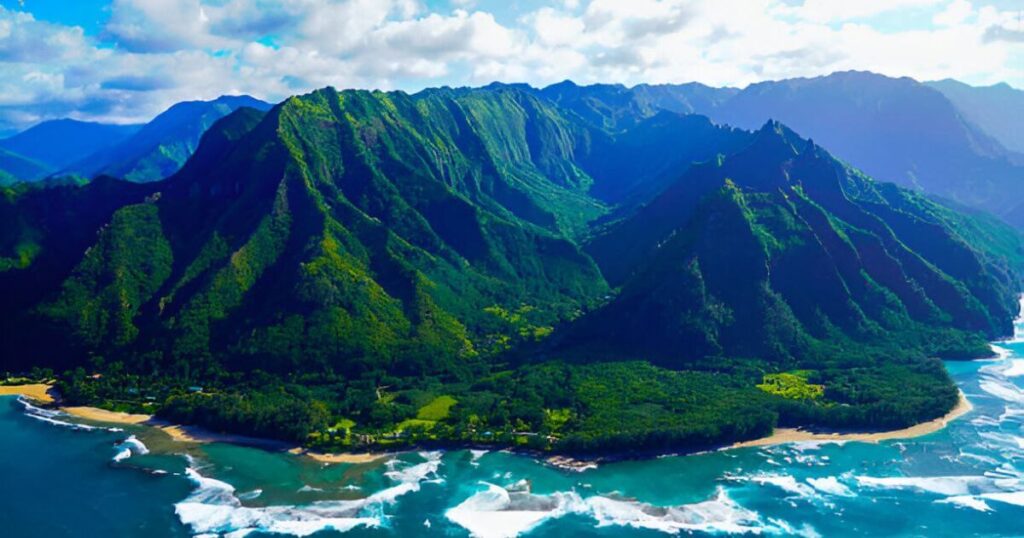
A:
[945, 139]
[52, 145]
[134, 152]
[576, 268]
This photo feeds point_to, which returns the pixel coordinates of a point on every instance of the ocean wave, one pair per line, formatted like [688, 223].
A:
[939, 485]
[1005, 365]
[1002, 389]
[786, 483]
[49, 416]
[1015, 368]
[497, 512]
[978, 502]
[475, 456]
[214, 508]
[1000, 351]
[128, 447]
[967, 501]
[1003, 441]
[831, 486]
[720, 514]
[122, 455]
[250, 495]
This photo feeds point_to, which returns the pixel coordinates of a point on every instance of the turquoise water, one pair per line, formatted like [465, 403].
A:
[965, 480]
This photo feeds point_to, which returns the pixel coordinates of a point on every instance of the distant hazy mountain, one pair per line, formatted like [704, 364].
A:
[998, 109]
[163, 145]
[14, 167]
[615, 106]
[54, 144]
[896, 130]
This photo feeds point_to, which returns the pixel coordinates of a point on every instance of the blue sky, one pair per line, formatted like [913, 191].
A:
[126, 60]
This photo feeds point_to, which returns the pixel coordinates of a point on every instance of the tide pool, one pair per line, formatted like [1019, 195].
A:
[966, 480]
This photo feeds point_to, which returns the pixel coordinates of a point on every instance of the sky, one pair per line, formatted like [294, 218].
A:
[124, 61]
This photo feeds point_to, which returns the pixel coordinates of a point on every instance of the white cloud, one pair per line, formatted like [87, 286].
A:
[844, 10]
[955, 13]
[152, 53]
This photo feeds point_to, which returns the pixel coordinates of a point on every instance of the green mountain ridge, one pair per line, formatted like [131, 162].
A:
[160, 147]
[798, 233]
[352, 256]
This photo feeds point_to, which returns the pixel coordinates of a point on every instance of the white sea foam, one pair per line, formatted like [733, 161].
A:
[1002, 389]
[213, 507]
[967, 501]
[806, 446]
[719, 514]
[786, 483]
[940, 485]
[1000, 351]
[496, 512]
[1003, 441]
[128, 447]
[50, 416]
[831, 485]
[475, 456]
[135, 445]
[308, 489]
[250, 495]
[1015, 368]
[1009, 497]
[978, 502]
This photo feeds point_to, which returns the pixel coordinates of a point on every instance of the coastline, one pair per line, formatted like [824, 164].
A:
[795, 435]
[38, 392]
[45, 394]
[198, 435]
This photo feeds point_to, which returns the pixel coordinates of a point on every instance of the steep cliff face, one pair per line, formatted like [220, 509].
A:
[779, 246]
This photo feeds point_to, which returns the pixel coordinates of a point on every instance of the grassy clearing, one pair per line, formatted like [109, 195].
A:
[437, 409]
[792, 385]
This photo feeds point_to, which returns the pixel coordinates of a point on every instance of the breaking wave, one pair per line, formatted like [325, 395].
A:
[497, 512]
[214, 508]
[129, 447]
[53, 416]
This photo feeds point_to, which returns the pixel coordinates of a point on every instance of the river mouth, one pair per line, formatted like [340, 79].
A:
[964, 480]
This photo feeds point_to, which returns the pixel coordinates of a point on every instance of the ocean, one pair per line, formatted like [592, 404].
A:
[966, 480]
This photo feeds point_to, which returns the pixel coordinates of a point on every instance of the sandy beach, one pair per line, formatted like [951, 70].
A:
[38, 392]
[793, 435]
[177, 432]
[102, 415]
[195, 434]
[354, 457]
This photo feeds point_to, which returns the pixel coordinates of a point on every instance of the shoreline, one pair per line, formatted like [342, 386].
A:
[37, 392]
[45, 394]
[796, 435]
[198, 435]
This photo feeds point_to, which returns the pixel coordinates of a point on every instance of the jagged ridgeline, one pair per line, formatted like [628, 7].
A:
[502, 251]
[781, 252]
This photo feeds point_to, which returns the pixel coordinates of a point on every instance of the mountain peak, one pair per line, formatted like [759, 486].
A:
[775, 137]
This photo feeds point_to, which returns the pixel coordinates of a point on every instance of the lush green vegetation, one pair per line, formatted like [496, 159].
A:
[792, 385]
[365, 269]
